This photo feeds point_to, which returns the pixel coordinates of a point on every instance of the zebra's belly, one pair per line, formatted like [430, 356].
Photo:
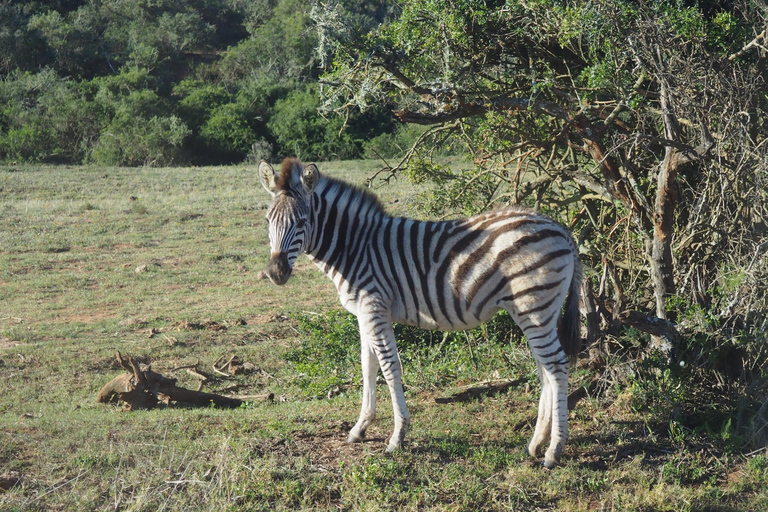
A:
[426, 319]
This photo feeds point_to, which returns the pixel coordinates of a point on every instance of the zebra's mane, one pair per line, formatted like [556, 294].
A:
[355, 194]
[290, 176]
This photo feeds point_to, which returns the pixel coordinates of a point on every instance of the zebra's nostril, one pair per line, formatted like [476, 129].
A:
[278, 269]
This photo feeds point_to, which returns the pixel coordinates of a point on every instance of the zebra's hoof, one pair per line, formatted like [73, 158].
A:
[393, 447]
[532, 451]
[352, 438]
[552, 457]
[551, 460]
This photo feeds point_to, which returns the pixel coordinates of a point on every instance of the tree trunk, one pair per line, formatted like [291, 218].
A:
[662, 265]
[664, 212]
[663, 223]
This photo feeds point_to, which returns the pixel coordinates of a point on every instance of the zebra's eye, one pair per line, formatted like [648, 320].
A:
[300, 224]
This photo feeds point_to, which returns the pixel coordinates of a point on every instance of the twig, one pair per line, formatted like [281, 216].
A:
[203, 378]
[729, 310]
[55, 488]
[270, 376]
[220, 372]
[650, 324]
[754, 42]
[232, 388]
[405, 160]
[193, 366]
[227, 365]
[266, 397]
[471, 352]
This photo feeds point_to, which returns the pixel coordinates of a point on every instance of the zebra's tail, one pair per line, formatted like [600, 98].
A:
[569, 327]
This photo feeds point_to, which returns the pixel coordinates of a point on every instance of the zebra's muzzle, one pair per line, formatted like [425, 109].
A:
[278, 270]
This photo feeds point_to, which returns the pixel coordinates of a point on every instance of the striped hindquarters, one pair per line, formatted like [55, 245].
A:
[454, 275]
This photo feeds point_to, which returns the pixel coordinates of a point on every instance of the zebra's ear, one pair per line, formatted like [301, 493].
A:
[267, 177]
[309, 178]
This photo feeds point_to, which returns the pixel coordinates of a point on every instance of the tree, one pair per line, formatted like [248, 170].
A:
[642, 124]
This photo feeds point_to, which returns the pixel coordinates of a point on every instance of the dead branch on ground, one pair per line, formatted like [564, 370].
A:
[145, 389]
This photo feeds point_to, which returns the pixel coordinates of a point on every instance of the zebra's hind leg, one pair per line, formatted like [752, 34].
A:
[370, 369]
[557, 372]
[552, 365]
[552, 421]
[544, 420]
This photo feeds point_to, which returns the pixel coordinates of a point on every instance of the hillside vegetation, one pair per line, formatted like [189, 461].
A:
[169, 82]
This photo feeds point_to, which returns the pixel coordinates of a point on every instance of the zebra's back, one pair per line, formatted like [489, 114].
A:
[456, 274]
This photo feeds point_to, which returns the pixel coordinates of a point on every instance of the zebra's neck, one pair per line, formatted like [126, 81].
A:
[339, 214]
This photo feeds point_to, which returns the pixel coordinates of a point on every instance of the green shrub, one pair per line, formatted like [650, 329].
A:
[299, 130]
[330, 354]
[281, 45]
[392, 144]
[135, 141]
[198, 99]
[32, 142]
[46, 118]
[228, 130]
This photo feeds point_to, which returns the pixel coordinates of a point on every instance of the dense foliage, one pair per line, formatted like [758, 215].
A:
[642, 125]
[168, 82]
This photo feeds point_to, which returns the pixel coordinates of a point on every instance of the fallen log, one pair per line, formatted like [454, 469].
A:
[145, 389]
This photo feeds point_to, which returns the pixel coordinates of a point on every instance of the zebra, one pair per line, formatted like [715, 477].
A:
[446, 275]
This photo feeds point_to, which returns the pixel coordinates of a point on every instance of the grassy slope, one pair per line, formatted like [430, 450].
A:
[71, 241]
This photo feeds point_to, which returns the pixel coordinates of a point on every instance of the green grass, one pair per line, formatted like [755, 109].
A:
[91, 259]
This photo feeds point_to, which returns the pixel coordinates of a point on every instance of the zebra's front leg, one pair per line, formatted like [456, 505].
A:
[377, 330]
[370, 366]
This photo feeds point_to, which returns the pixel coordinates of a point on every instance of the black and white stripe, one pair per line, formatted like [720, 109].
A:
[436, 275]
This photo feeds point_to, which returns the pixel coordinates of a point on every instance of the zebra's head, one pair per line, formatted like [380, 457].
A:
[288, 214]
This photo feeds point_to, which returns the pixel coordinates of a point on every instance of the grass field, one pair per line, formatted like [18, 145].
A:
[95, 260]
